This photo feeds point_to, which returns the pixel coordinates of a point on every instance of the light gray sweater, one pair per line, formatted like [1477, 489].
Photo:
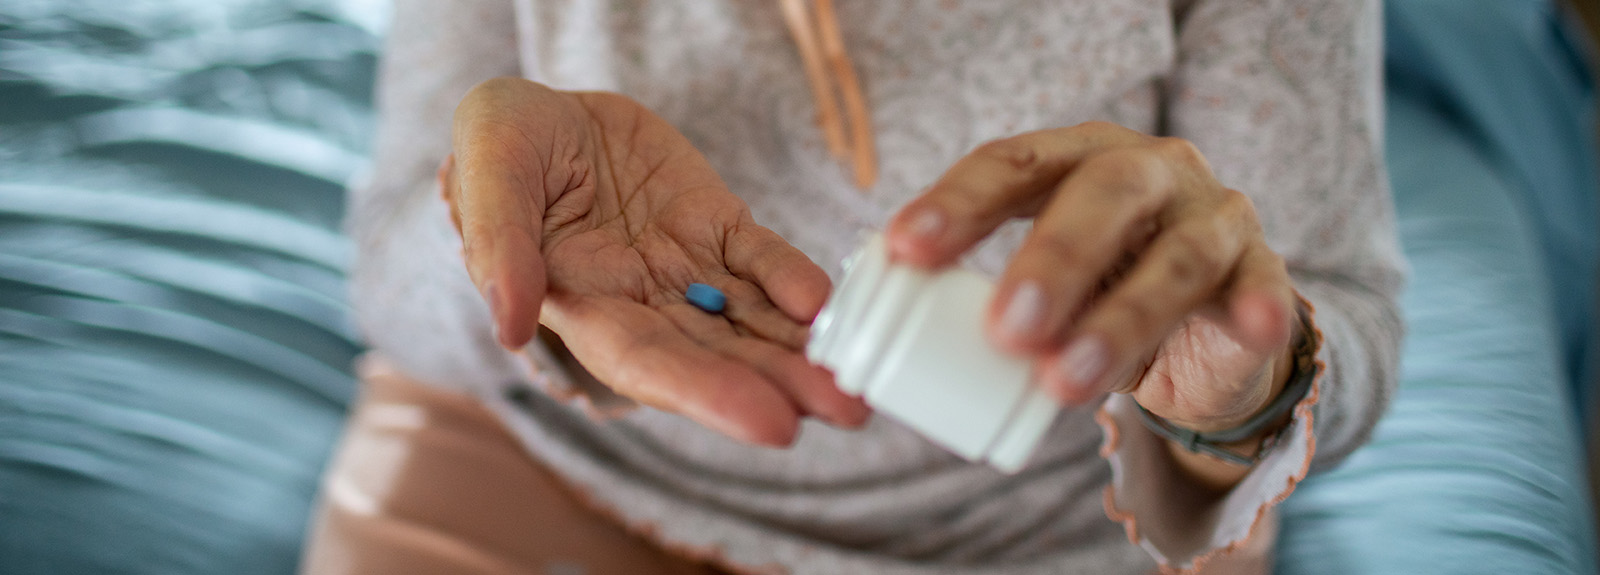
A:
[1282, 96]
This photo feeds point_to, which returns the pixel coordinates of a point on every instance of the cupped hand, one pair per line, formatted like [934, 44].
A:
[1142, 273]
[591, 215]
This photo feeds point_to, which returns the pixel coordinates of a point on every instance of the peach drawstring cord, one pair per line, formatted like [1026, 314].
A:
[821, 53]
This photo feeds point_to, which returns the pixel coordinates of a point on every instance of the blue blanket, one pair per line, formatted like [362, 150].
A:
[1478, 467]
[175, 344]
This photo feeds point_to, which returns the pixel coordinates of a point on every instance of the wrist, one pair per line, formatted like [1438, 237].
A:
[1240, 440]
[1276, 375]
[1292, 372]
[1268, 384]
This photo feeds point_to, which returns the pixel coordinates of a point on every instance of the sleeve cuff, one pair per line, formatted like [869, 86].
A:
[1181, 535]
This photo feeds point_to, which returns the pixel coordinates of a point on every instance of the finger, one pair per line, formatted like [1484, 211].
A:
[998, 181]
[1100, 212]
[750, 310]
[446, 176]
[498, 196]
[1261, 301]
[1178, 274]
[808, 386]
[793, 282]
[641, 354]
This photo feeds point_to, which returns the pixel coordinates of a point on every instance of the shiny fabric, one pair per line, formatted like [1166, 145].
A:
[428, 482]
[1478, 467]
[174, 336]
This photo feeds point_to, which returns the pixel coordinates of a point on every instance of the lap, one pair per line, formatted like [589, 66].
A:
[428, 481]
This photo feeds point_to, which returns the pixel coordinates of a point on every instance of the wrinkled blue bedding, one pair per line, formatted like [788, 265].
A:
[175, 343]
[1478, 467]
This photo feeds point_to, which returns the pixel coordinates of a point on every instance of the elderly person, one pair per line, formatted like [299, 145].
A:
[1185, 204]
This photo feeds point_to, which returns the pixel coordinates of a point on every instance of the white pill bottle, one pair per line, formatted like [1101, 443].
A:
[911, 343]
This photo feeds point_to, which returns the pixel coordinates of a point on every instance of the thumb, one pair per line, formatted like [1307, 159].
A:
[496, 210]
[1260, 303]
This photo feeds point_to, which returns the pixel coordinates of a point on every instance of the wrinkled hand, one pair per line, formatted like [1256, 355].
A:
[589, 214]
[1142, 273]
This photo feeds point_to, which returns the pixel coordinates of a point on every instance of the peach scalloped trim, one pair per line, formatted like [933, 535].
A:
[1302, 410]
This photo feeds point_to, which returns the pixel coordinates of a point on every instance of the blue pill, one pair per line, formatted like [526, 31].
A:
[706, 298]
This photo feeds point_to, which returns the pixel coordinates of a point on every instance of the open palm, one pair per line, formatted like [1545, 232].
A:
[591, 215]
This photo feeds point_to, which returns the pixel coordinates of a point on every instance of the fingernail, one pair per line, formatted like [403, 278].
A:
[491, 295]
[1023, 311]
[926, 223]
[443, 175]
[1082, 363]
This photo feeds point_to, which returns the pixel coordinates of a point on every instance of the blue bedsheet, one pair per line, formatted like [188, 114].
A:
[1478, 467]
[175, 343]
[1511, 76]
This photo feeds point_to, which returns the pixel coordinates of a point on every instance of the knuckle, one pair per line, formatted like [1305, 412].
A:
[1240, 209]
[1126, 172]
[1015, 153]
[1192, 257]
[963, 201]
[1108, 134]
[1183, 267]
[1181, 151]
[1237, 200]
[1099, 128]
[1061, 249]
